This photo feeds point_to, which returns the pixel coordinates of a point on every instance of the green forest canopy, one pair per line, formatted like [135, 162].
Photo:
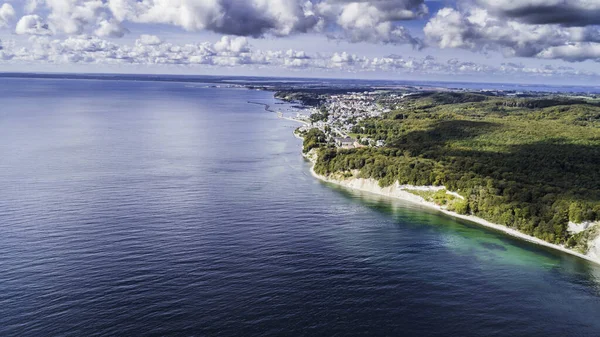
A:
[531, 164]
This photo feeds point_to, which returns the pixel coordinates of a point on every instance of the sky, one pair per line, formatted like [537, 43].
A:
[519, 41]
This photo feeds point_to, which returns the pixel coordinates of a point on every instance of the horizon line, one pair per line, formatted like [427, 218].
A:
[50, 74]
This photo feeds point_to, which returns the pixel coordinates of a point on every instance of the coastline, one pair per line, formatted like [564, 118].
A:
[396, 191]
[279, 114]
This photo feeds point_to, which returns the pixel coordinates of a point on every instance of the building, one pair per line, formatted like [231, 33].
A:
[345, 143]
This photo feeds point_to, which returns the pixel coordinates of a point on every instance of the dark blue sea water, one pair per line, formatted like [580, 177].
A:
[167, 209]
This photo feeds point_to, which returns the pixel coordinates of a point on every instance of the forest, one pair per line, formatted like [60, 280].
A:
[532, 164]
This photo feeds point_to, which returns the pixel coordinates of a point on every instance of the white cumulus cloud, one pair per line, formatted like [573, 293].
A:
[32, 25]
[7, 14]
[374, 21]
[234, 45]
[149, 40]
[479, 29]
[573, 52]
[236, 52]
[110, 28]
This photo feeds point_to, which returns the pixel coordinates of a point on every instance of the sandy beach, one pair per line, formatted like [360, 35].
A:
[399, 192]
[396, 191]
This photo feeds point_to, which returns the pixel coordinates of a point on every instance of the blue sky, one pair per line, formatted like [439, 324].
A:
[534, 41]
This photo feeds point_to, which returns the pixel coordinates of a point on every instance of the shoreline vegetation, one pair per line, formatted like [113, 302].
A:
[523, 166]
[406, 193]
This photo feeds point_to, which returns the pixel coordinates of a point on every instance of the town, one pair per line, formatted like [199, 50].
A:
[340, 113]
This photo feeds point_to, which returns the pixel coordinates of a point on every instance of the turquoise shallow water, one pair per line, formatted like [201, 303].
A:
[141, 208]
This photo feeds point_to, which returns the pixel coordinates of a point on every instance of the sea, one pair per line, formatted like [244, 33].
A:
[176, 208]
